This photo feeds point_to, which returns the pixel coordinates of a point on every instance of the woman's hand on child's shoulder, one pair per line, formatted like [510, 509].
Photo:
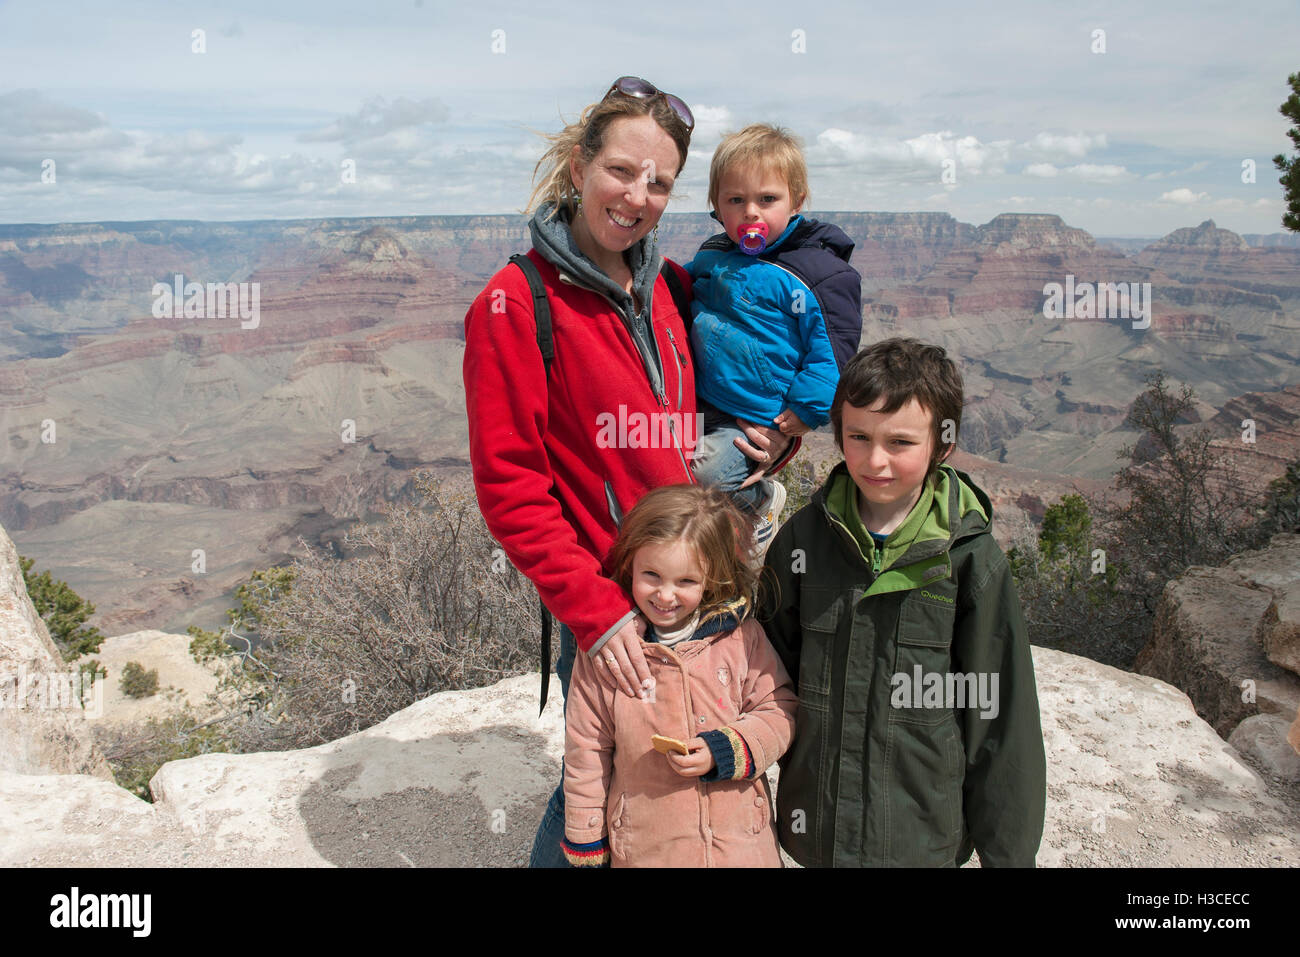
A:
[621, 664]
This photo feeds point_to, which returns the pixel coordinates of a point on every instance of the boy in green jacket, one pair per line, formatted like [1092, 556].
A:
[917, 738]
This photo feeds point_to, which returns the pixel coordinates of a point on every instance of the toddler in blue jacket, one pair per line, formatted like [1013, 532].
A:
[777, 312]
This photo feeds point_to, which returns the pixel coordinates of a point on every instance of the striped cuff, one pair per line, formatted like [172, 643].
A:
[731, 758]
[595, 854]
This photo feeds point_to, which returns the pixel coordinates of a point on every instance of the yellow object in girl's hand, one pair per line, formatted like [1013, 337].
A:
[664, 745]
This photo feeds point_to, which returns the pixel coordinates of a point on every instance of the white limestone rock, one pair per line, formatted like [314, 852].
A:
[1263, 739]
[1135, 778]
[181, 680]
[43, 728]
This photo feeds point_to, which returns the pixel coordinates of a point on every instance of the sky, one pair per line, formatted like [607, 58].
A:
[1123, 121]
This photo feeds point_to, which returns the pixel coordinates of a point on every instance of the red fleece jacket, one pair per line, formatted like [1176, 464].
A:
[551, 460]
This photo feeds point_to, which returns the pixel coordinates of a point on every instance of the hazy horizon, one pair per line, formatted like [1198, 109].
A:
[827, 214]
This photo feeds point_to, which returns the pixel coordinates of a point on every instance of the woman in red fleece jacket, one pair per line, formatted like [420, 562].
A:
[558, 460]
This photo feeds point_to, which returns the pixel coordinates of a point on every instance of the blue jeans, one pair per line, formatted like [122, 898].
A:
[546, 845]
[718, 462]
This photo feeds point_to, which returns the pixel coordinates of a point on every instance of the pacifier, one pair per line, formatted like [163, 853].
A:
[753, 238]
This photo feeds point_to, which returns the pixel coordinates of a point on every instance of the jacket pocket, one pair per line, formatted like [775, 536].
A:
[803, 811]
[819, 619]
[617, 829]
[924, 772]
[760, 815]
[924, 760]
[731, 355]
[739, 810]
[922, 687]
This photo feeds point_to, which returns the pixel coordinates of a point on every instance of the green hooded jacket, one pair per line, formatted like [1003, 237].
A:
[918, 736]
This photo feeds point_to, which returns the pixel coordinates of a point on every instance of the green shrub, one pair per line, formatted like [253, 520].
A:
[92, 669]
[1186, 505]
[1092, 582]
[1281, 512]
[63, 611]
[1070, 589]
[138, 683]
[207, 645]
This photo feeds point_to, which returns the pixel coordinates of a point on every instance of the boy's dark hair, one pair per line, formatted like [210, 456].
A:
[898, 370]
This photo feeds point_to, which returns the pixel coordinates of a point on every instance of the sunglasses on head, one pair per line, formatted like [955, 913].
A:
[642, 89]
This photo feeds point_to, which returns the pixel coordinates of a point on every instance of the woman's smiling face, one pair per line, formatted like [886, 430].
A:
[624, 188]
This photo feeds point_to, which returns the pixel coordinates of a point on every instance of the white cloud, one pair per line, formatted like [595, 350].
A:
[1089, 172]
[924, 154]
[33, 127]
[1041, 170]
[1193, 168]
[711, 122]
[379, 117]
[1064, 146]
[31, 113]
[1099, 174]
[1183, 196]
[395, 150]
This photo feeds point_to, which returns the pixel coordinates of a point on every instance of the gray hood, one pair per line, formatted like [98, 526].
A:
[553, 238]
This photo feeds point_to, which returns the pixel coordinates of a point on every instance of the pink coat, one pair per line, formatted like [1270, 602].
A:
[616, 783]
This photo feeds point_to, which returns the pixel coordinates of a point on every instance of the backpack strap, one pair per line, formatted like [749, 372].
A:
[542, 305]
[546, 345]
[541, 308]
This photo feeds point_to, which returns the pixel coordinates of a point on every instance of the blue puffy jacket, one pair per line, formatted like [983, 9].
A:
[772, 332]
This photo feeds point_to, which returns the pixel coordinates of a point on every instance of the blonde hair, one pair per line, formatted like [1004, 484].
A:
[555, 183]
[764, 146]
[709, 524]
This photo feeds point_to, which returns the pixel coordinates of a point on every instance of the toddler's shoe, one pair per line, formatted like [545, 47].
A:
[769, 519]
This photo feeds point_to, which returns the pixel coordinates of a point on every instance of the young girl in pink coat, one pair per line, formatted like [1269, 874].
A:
[718, 687]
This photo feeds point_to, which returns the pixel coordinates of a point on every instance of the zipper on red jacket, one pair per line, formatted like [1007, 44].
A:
[627, 323]
[681, 375]
[662, 396]
[681, 372]
[681, 454]
[672, 429]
